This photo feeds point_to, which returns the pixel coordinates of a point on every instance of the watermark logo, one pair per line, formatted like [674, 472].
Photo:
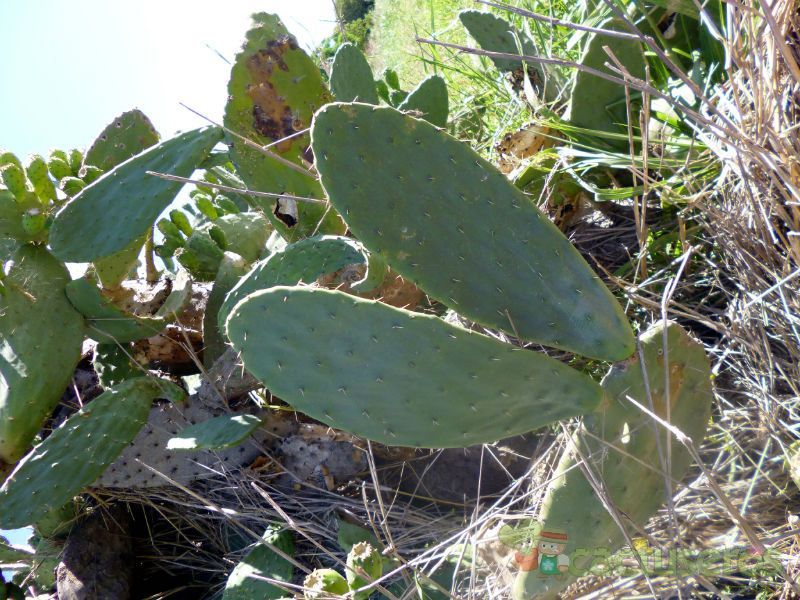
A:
[549, 553]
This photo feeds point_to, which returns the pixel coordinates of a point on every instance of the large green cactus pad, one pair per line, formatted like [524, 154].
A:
[623, 451]
[351, 76]
[122, 206]
[40, 344]
[126, 136]
[246, 580]
[398, 377]
[301, 262]
[599, 104]
[429, 99]
[447, 220]
[76, 453]
[273, 92]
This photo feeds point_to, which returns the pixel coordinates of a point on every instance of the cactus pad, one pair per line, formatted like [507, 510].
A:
[596, 103]
[623, 452]
[263, 562]
[397, 377]
[273, 92]
[429, 99]
[126, 136]
[323, 584]
[495, 34]
[217, 433]
[123, 204]
[246, 233]
[10, 217]
[447, 220]
[106, 322]
[149, 449]
[14, 178]
[40, 179]
[364, 566]
[114, 364]
[77, 452]
[301, 262]
[40, 336]
[201, 255]
[351, 76]
[115, 268]
[232, 268]
[58, 167]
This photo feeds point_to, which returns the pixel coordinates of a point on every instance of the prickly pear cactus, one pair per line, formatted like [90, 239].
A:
[351, 76]
[108, 324]
[71, 186]
[115, 363]
[89, 173]
[598, 104]
[429, 101]
[126, 136]
[122, 206]
[273, 91]
[216, 433]
[325, 583]
[624, 449]
[232, 268]
[262, 562]
[364, 566]
[76, 453]
[11, 217]
[75, 159]
[114, 269]
[246, 233]
[495, 34]
[201, 255]
[40, 179]
[9, 158]
[41, 337]
[13, 177]
[149, 449]
[58, 166]
[331, 355]
[448, 221]
[303, 261]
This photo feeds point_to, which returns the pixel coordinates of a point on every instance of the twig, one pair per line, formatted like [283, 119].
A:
[227, 188]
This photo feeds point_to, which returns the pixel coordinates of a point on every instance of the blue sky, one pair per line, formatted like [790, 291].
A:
[70, 67]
